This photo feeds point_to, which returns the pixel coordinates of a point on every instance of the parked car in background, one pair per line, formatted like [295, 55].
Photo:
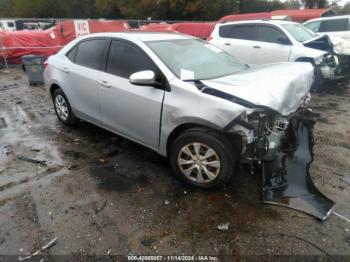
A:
[181, 97]
[334, 26]
[271, 41]
[8, 25]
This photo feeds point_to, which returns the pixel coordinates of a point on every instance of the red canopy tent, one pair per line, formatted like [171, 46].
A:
[50, 41]
[240, 17]
[199, 29]
[302, 15]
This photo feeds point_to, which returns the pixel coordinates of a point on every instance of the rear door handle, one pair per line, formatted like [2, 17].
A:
[65, 70]
[104, 84]
[256, 46]
[227, 44]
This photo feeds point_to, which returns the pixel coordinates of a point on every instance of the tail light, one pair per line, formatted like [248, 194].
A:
[46, 63]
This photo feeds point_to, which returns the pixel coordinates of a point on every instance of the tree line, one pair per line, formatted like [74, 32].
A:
[143, 9]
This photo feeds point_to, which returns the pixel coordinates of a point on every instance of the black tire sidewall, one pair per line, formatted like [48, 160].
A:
[220, 145]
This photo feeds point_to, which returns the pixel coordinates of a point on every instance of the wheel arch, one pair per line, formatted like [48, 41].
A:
[235, 138]
[53, 88]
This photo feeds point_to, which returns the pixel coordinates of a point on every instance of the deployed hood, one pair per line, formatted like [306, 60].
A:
[281, 87]
[329, 43]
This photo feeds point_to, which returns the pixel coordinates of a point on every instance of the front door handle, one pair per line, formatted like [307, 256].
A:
[227, 44]
[256, 46]
[65, 70]
[104, 84]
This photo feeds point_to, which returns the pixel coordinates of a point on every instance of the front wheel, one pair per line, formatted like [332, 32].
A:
[202, 158]
[62, 108]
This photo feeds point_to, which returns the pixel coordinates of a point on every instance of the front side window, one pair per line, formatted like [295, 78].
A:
[245, 32]
[334, 25]
[313, 26]
[270, 35]
[10, 24]
[125, 59]
[193, 59]
[90, 53]
[299, 32]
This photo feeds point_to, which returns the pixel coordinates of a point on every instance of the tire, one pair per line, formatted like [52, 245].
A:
[208, 143]
[63, 109]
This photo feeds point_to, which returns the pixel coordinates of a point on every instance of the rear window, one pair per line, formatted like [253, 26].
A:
[334, 25]
[72, 53]
[245, 32]
[90, 53]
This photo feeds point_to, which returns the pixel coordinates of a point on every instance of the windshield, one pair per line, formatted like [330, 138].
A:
[299, 32]
[193, 59]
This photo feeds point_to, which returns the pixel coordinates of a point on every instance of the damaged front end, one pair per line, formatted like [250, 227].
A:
[281, 148]
[335, 64]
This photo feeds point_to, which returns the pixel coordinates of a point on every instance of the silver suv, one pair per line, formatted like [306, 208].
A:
[181, 97]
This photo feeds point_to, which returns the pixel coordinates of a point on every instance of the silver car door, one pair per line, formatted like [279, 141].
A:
[272, 46]
[130, 110]
[82, 78]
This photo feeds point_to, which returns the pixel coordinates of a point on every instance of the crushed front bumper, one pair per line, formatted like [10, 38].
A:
[283, 161]
[287, 181]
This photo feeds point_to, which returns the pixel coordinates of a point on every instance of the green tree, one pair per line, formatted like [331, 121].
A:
[315, 3]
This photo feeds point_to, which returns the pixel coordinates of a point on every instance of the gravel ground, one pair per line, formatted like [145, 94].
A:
[101, 195]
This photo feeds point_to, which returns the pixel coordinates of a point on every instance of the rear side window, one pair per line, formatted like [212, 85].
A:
[90, 53]
[334, 25]
[270, 34]
[125, 59]
[245, 32]
[72, 53]
[313, 26]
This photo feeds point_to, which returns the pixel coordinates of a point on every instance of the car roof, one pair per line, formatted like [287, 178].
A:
[260, 21]
[328, 18]
[143, 36]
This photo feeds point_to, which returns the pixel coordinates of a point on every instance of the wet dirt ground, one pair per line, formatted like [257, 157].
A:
[101, 194]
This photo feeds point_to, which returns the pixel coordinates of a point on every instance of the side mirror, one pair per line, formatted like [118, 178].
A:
[283, 40]
[144, 78]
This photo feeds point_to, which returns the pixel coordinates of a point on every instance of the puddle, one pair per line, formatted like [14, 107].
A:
[110, 178]
[8, 86]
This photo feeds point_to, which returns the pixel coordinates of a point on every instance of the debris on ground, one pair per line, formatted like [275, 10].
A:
[224, 227]
[35, 161]
[342, 217]
[167, 202]
[347, 239]
[99, 209]
[346, 179]
[147, 241]
[46, 247]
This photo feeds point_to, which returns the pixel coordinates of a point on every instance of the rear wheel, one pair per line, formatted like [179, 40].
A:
[202, 158]
[63, 109]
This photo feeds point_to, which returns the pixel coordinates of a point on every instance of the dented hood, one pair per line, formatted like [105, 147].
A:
[281, 87]
[330, 43]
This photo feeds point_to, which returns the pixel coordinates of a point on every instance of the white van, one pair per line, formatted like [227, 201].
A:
[8, 25]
